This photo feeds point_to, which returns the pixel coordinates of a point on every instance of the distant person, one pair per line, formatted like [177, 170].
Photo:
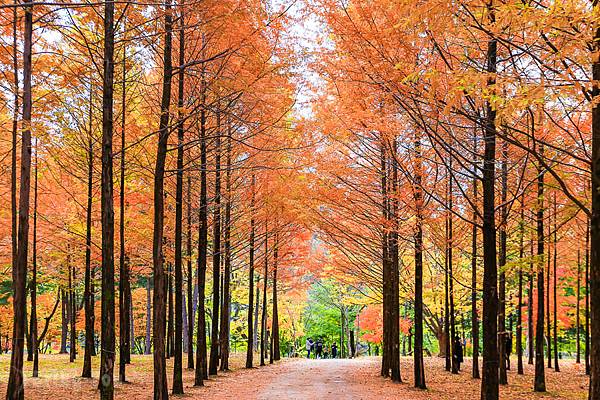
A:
[319, 349]
[325, 352]
[457, 352]
[309, 347]
[508, 349]
[334, 350]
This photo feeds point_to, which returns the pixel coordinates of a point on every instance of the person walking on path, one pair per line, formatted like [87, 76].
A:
[334, 350]
[309, 347]
[319, 349]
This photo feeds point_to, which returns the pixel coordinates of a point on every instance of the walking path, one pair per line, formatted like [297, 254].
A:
[314, 379]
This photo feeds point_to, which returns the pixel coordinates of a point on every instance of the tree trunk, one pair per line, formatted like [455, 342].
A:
[489, 381]
[455, 365]
[15, 389]
[577, 308]
[171, 315]
[190, 280]
[263, 320]
[72, 308]
[178, 331]
[33, 326]
[160, 372]
[124, 299]
[502, 335]
[520, 289]
[539, 380]
[87, 291]
[250, 345]
[587, 299]
[556, 366]
[226, 304]
[107, 355]
[419, 368]
[474, 316]
[201, 362]
[275, 333]
[214, 337]
[530, 331]
[147, 348]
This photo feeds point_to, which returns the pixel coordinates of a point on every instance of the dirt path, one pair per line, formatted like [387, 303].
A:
[314, 379]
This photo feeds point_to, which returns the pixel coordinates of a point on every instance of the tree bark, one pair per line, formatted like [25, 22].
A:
[33, 325]
[489, 381]
[147, 348]
[474, 311]
[87, 291]
[275, 334]
[419, 368]
[520, 289]
[502, 334]
[214, 337]
[263, 320]
[15, 389]
[160, 372]
[201, 362]
[250, 344]
[539, 380]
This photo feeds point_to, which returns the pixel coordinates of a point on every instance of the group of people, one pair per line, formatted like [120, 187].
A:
[320, 350]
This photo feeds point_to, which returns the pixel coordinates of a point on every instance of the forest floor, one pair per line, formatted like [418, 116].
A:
[296, 379]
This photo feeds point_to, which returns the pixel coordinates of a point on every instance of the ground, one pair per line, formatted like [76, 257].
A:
[297, 379]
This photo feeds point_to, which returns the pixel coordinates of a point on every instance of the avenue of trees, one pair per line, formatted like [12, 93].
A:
[169, 192]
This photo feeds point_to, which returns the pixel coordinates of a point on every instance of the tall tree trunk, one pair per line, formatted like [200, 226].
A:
[540, 380]
[171, 315]
[107, 360]
[64, 328]
[201, 362]
[386, 279]
[177, 348]
[556, 366]
[250, 345]
[73, 308]
[158, 328]
[394, 272]
[15, 389]
[587, 299]
[87, 291]
[275, 333]
[455, 365]
[147, 348]
[530, 330]
[520, 289]
[124, 299]
[263, 320]
[190, 279]
[489, 381]
[474, 316]
[577, 310]
[226, 295]
[547, 299]
[15, 128]
[419, 368]
[502, 334]
[256, 309]
[214, 337]
[33, 325]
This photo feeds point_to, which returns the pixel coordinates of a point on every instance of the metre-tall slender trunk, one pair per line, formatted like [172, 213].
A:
[72, 309]
[226, 304]
[455, 365]
[214, 336]
[539, 380]
[15, 389]
[263, 320]
[124, 289]
[419, 368]
[502, 377]
[201, 362]
[520, 289]
[147, 348]
[158, 311]
[386, 279]
[530, 330]
[489, 381]
[87, 291]
[587, 299]
[250, 344]
[33, 325]
[554, 331]
[177, 348]
[577, 310]
[170, 313]
[275, 334]
[474, 316]
[190, 279]
[107, 357]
